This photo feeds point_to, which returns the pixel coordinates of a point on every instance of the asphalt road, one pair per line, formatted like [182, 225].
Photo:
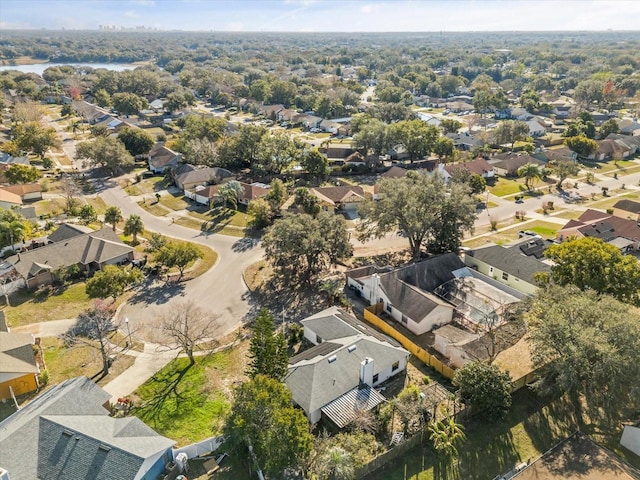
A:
[221, 291]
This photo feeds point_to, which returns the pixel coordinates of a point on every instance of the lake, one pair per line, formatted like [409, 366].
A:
[38, 68]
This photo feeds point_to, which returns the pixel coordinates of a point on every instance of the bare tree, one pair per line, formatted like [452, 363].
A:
[94, 327]
[187, 326]
[71, 192]
[28, 112]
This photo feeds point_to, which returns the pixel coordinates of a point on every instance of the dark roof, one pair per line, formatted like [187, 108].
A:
[628, 206]
[195, 175]
[429, 274]
[597, 223]
[601, 230]
[511, 161]
[319, 350]
[533, 247]
[39, 440]
[510, 261]
[99, 247]
[479, 166]
[410, 300]
[395, 172]
[161, 156]
[339, 194]
[67, 231]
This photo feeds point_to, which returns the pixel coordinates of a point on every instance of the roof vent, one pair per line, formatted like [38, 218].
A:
[351, 348]
[332, 359]
[104, 448]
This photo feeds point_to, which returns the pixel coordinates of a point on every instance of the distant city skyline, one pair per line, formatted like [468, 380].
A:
[324, 15]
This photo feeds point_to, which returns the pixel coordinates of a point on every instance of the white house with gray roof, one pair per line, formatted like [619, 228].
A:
[336, 377]
[67, 432]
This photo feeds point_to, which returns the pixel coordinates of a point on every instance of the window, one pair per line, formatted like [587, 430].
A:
[395, 366]
[505, 276]
[375, 378]
[389, 307]
[404, 319]
[319, 339]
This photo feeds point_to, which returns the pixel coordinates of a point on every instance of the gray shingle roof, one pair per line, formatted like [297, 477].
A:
[628, 205]
[510, 261]
[63, 429]
[99, 247]
[67, 231]
[316, 382]
[161, 156]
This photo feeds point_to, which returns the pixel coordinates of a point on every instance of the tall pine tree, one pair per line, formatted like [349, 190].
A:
[268, 349]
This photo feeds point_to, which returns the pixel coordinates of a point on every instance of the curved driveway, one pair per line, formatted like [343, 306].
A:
[221, 290]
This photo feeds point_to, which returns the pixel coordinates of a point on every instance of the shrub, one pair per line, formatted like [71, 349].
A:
[44, 378]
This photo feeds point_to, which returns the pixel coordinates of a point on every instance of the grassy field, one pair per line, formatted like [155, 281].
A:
[174, 202]
[532, 426]
[64, 363]
[154, 208]
[186, 403]
[44, 306]
[610, 202]
[505, 186]
[224, 217]
[98, 203]
[542, 228]
[204, 226]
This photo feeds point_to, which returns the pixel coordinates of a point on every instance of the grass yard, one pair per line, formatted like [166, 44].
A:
[506, 186]
[224, 216]
[45, 306]
[64, 363]
[188, 404]
[542, 228]
[633, 168]
[98, 204]
[149, 185]
[609, 202]
[568, 214]
[174, 202]
[204, 226]
[52, 206]
[532, 426]
[154, 208]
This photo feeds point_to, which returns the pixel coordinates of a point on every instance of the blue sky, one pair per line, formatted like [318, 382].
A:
[325, 15]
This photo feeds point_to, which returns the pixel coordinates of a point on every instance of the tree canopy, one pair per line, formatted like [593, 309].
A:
[263, 417]
[112, 281]
[591, 264]
[423, 209]
[107, 152]
[267, 349]
[178, 255]
[586, 343]
[484, 387]
[34, 137]
[300, 246]
[136, 140]
[21, 174]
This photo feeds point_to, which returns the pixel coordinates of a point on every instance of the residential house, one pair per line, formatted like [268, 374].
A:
[599, 117]
[344, 130]
[537, 128]
[465, 141]
[67, 432]
[629, 127]
[631, 438]
[478, 166]
[519, 113]
[338, 152]
[633, 143]
[187, 177]
[91, 113]
[28, 191]
[508, 266]
[19, 368]
[157, 106]
[626, 208]
[162, 157]
[507, 164]
[9, 200]
[329, 126]
[561, 154]
[335, 379]
[89, 251]
[344, 198]
[611, 149]
[533, 246]
[271, 111]
[7, 161]
[429, 119]
[621, 232]
[425, 295]
[309, 121]
[67, 231]
[460, 106]
[206, 195]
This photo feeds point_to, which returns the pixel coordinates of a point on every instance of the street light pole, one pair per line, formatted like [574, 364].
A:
[126, 320]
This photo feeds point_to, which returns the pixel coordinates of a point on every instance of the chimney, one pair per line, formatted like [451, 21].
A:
[366, 372]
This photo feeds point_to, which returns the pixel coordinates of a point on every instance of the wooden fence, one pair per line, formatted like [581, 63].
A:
[419, 352]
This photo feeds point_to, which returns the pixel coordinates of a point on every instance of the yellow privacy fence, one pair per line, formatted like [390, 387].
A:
[428, 359]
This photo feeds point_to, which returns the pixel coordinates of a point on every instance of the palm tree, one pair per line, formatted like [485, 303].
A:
[113, 215]
[12, 231]
[335, 463]
[446, 435]
[134, 226]
[231, 192]
[531, 173]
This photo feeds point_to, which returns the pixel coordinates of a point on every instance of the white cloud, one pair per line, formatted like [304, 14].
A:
[130, 14]
[145, 3]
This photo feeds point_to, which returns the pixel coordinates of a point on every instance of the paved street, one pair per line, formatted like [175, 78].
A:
[220, 291]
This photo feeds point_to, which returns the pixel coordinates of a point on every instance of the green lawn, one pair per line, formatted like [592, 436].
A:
[98, 203]
[44, 306]
[611, 201]
[154, 208]
[64, 362]
[224, 216]
[174, 202]
[53, 206]
[506, 186]
[206, 227]
[532, 427]
[189, 404]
